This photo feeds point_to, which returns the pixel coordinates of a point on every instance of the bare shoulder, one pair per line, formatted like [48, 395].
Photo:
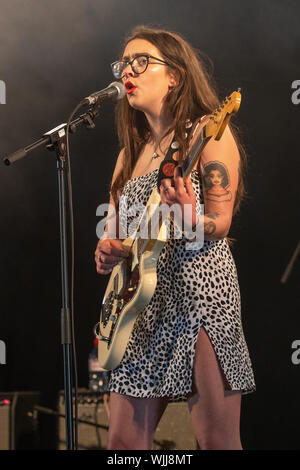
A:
[224, 149]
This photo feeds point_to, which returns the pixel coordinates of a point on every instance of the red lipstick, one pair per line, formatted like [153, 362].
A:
[130, 87]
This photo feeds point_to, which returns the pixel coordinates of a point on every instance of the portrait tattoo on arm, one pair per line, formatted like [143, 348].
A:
[216, 182]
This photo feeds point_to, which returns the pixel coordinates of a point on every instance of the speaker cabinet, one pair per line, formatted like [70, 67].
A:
[92, 421]
[17, 428]
[174, 430]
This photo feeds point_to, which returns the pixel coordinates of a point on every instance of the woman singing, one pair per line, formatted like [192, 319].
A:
[188, 342]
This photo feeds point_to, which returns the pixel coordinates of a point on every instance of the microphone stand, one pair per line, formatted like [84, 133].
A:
[55, 140]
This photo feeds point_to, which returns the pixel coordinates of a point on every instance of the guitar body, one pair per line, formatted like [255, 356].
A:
[129, 291]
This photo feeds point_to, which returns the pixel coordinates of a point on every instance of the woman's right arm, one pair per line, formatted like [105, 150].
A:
[109, 251]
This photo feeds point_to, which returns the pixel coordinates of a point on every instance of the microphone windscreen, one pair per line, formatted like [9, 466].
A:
[121, 89]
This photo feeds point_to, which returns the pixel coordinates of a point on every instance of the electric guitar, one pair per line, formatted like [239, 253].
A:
[132, 282]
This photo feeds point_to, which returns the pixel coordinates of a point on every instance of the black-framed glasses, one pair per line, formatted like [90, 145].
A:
[139, 64]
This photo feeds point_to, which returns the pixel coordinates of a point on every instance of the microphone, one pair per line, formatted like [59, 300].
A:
[114, 90]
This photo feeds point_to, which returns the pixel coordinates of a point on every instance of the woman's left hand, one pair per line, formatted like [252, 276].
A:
[179, 191]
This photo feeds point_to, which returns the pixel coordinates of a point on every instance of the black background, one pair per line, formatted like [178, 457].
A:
[55, 53]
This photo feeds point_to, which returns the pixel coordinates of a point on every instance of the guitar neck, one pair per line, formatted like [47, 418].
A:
[190, 161]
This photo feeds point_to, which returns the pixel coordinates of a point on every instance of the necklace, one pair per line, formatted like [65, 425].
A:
[155, 154]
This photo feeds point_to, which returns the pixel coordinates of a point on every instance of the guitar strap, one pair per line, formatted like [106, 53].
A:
[168, 165]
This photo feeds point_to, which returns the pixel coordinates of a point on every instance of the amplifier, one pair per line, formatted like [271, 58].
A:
[17, 429]
[174, 431]
[93, 421]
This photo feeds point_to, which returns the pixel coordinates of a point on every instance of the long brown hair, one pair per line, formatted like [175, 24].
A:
[194, 97]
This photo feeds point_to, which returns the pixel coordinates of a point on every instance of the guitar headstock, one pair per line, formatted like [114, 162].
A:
[220, 118]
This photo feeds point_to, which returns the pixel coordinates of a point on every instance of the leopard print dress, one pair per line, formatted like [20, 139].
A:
[195, 289]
